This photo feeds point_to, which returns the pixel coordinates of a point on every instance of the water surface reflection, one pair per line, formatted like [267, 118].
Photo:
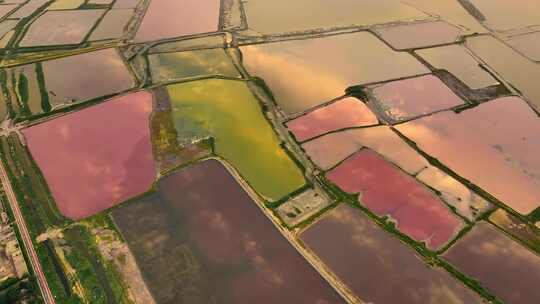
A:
[386, 191]
[320, 69]
[97, 157]
[376, 266]
[494, 145]
[499, 264]
[201, 239]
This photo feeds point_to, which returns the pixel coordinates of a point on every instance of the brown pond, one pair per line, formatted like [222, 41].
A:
[97, 157]
[50, 28]
[41, 87]
[528, 45]
[6, 9]
[283, 16]
[378, 267]
[518, 70]
[121, 4]
[456, 60]
[80, 77]
[112, 25]
[418, 35]
[28, 9]
[501, 265]
[495, 146]
[504, 15]
[201, 239]
[386, 191]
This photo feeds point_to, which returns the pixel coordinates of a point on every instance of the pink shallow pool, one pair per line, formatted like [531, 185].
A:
[408, 98]
[98, 157]
[174, 18]
[344, 113]
[387, 191]
[495, 146]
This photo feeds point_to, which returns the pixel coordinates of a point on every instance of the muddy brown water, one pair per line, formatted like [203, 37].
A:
[112, 25]
[201, 239]
[501, 265]
[43, 86]
[376, 266]
[49, 30]
[408, 36]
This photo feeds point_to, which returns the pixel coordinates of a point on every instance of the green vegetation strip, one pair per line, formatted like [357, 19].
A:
[84, 259]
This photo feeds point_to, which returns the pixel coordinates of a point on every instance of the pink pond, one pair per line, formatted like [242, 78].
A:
[98, 157]
[190, 17]
[387, 191]
[408, 98]
[344, 113]
[495, 146]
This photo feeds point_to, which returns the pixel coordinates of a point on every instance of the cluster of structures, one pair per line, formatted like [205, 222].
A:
[207, 151]
[12, 263]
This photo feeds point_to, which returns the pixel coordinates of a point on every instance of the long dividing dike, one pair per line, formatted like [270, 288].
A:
[48, 297]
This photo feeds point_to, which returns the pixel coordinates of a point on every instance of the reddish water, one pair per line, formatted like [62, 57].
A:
[495, 146]
[387, 191]
[501, 265]
[412, 97]
[98, 157]
[378, 267]
[345, 113]
[190, 17]
[201, 237]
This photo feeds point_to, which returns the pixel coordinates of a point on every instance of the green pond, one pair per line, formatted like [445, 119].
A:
[178, 65]
[227, 111]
